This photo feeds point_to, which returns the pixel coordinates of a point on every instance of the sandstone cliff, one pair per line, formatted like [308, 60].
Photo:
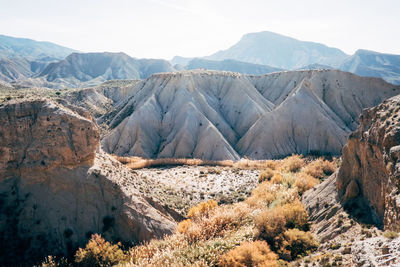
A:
[57, 187]
[224, 115]
[371, 167]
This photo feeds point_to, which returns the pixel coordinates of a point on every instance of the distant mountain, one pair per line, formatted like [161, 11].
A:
[370, 63]
[14, 69]
[272, 49]
[316, 66]
[180, 60]
[11, 47]
[230, 65]
[87, 69]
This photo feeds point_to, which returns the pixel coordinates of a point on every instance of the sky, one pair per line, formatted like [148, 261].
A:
[194, 28]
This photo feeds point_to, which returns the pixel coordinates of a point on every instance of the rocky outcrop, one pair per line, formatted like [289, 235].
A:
[223, 115]
[57, 187]
[370, 172]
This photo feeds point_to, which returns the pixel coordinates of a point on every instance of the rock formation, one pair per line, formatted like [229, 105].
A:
[223, 115]
[57, 187]
[370, 172]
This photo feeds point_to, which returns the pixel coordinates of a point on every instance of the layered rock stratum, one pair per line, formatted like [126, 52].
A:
[223, 115]
[57, 187]
[370, 172]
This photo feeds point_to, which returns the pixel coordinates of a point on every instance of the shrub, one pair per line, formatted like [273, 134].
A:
[298, 243]
[250, 254]
[320, 168]
[99, 252]
[296, 215]
[218, 221]
[273, 222]
[184, 225]
[390, 234]
[262, 195]
[265, 175]
[277, 178]
[270, 224]
[293, 163]
[202, 209]
[305, 182]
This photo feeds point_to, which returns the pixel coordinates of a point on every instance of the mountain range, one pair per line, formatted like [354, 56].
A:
[27, 63]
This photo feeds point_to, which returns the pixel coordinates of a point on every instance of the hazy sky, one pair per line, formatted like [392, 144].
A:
[164, 28]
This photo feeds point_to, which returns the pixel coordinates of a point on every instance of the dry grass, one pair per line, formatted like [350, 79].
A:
[140, 163]
[262, 195]
[202, 209]
[255, 253]
[305, 182]
[293, 163]
[320, 168]
[265, 175]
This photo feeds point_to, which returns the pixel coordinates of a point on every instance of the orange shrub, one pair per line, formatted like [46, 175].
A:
[99, 252]
[265, 175]
[270, 224]
[305, 182]
[293, 163]
[277, 178]
[218, 221]
[183, 226]
[250, 254]
[320, 168]
[272, 164]
[296, 215]
[298, 243]
[273, 222]
[202, 209]
[263, 194]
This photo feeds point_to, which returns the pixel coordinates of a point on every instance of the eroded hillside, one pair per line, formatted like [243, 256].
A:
[222, 115]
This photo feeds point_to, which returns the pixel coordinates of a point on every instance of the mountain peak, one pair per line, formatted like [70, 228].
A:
[276, 50]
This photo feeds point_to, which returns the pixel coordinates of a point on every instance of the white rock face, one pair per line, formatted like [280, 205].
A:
[223, 115]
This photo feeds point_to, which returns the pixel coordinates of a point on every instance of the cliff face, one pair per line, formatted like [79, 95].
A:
[370, 173]
[57, 187]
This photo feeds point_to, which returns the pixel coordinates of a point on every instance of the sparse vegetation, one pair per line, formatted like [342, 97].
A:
[293, 163]
[265, 175]
[268, 228]
[202, 209]
[320, 168]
